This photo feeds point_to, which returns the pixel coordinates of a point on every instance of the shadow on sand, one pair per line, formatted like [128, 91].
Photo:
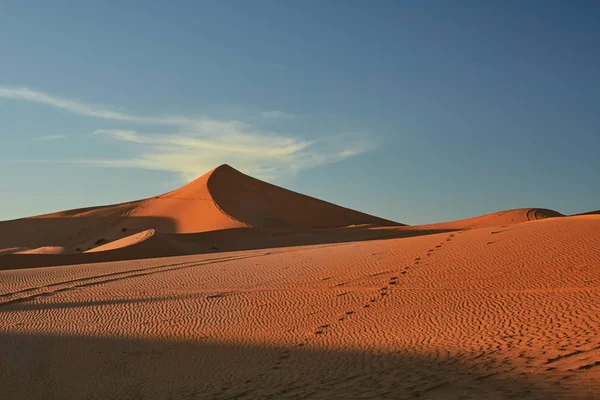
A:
[36, 366]
[168, 245]
[68, 231]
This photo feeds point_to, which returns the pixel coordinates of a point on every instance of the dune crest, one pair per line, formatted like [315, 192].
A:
[507, 217]
[124, 242]
[43, 250]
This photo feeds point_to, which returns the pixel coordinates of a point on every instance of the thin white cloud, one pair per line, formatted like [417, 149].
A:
[90, 110]
[267, 157]
[67, 105]
[196, 145]
[50, 137]
[275, 115]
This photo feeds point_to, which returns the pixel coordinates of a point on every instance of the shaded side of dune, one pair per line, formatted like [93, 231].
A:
[166, 245]
[589, 213]
[156, 244]
[262, 205]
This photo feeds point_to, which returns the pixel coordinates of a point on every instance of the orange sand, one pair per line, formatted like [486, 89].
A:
[505, 305]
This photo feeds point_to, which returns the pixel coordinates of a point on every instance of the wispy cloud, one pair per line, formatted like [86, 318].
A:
[50, 137]
[268, 157]
[90, 110]
[275, 115]
[193, 146]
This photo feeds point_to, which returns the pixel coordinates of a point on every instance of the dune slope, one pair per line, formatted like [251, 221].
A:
[507, 217]
[263, 205]
[494, 312]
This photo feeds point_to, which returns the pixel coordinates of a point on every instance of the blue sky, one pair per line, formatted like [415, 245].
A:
[415, 111]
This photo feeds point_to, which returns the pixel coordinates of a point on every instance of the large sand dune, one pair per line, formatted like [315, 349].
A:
[232, 288]
[223, 198]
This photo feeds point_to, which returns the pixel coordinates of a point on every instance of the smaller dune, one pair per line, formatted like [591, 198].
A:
[44, 250]
[508, 217]
[124, 242]
[11, 250]
[597, 212]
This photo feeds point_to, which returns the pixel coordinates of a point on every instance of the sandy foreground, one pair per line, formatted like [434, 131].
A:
[511, 311]
[232, 288]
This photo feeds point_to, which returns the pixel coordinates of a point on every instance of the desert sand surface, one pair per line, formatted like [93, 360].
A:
[253, 301]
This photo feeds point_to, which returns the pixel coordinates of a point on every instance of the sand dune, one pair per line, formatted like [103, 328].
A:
[500, 218]
[127, 241]
[150, 244]
[43, 250]
[223, 198]
[508, 312]
[223, 210]
[232, 288]
[11, 250]
[590, 212]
